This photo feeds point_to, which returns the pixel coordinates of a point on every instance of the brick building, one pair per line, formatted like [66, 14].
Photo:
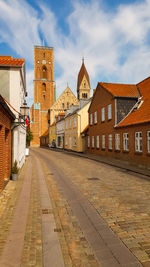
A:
[44, 91]
[119, 122]
[6, 118]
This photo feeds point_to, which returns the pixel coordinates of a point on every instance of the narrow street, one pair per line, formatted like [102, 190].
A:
[67, 210]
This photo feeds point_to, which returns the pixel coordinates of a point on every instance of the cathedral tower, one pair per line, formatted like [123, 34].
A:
[83, 83]
[44, 92]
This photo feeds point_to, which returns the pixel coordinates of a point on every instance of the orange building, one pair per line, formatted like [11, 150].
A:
[44, 91]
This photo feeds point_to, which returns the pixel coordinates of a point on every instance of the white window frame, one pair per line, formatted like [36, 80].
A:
[70, 123]
[75, 121]
[88, 141]
[125, 141]
[138, 142]
[95, 117]
[103, 114]
[91, 118]
[109, 112]
[103, 141]
[148, 141]
[66, 124]
[74, 141]
[92, 141]
[97, 141]
[110, 141]
[117, 142]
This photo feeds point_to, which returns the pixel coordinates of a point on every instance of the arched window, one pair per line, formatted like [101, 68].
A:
[44, 72]
[43, 87]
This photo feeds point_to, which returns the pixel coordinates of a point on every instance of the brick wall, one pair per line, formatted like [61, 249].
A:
[5, 146]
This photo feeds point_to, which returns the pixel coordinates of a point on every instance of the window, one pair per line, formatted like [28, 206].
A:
[97, 141]
[44, 72]
[138, 141]
[95, 117]
[67, 105]
[91, 119]
[117, 141]
[75, 141]
[92, 141]
[148, 141]
[103, 114]
[125, 142]
[43, 87]
[66, 140]
[109, 112]
[75, 121]
[66, 124]
[88, 141]
[110, 141]
[103, 141]
[70, 123]
[63, 105]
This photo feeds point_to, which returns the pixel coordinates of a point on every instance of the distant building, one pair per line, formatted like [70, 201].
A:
[44, 91]
[13, 89]
[6, 119]
[119, 122]
[64, 102]
[83, 83]
[60, 130]
[75, 122]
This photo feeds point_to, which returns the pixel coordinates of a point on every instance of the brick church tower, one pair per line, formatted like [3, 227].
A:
[44, 91]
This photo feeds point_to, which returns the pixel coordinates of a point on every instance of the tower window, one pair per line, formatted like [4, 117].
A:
[44, 72]
[43, 87]
[67, 105]
[43, 97]
[44, 55]
[63, 105]
[84, 84]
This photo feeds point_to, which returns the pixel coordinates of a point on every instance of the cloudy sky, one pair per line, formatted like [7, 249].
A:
[112, 35]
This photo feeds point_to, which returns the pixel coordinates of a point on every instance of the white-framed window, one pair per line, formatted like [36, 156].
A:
[110, 141]
[66, 140]
[75, 141]
[95, 117]
[88, 141]
[103, 141]
[103, 114]
[91, 119]
[75, 121]
[117, 141]
[97, 141]
[70, 123]
[109, 112]
[138, 141]
[92, 141]
[125, 141]
[148, 141]
[66, 124]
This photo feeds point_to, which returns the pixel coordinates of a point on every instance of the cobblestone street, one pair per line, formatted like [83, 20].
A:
[97, 215]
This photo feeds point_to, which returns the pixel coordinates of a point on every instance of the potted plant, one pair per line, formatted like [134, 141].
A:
[14, 171]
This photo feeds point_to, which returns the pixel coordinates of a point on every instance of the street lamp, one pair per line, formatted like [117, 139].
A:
[24, 110]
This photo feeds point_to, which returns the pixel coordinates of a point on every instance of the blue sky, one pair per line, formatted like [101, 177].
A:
[112, 35]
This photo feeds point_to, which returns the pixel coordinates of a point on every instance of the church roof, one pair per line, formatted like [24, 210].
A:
[81, 74]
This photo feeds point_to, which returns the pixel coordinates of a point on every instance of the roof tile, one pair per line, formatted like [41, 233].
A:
[121, 90]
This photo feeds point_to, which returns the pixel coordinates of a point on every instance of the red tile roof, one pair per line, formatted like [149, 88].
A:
[142, 113]
[9, 61]
[81, 74]
[121, 90]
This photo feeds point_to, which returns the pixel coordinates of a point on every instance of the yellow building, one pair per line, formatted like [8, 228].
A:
[52, 135]
[66, 99]
[75, 122]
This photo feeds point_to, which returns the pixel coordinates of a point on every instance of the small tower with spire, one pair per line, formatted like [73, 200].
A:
[83, 83]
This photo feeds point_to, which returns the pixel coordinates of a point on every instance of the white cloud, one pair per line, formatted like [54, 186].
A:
[114, 43]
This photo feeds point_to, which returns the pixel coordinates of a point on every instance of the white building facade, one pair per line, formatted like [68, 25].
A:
[13, 89]
[60, 131]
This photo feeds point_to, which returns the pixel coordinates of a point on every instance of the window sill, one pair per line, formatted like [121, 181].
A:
[117, 150]
[102, 121]
[95, 123]
[109, 119]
